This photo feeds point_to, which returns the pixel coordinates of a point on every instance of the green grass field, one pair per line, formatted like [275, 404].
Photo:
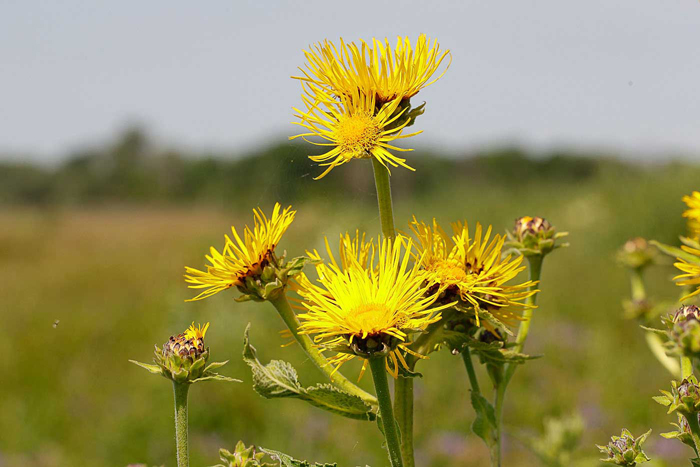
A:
[82, 290]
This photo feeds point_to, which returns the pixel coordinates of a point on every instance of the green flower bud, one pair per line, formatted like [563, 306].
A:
[637, 253]
[683, 398]
[242, 456]
[683, 332]
[183, 358]
[534, 236]
[625, 449]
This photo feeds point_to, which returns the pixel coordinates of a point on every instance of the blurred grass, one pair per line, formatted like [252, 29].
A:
[111, 278]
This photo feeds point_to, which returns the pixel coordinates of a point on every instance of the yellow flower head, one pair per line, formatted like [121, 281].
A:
[352, 250]
[691, 272]
[471, 268]
[356, 128]
[693, 213]
[378, 70]
[196, 332]
[241, 257]
[368, 308]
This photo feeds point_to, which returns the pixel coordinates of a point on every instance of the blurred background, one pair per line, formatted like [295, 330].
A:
[133, 135]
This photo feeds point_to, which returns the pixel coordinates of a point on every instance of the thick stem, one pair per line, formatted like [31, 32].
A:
[386, 411]
[290, 319]
[656, 346]
[686, 367]
[180, 390]
[403, 407]
[386, 211]
[466, 356]
[496, 448]
[695, 430]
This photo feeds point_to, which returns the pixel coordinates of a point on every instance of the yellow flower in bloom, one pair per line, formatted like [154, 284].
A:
[378, 70]
[471, 268]
[691, 272]
[693, 213]
[368, 309]
[352, 250]
[241, 257]
[354, 128]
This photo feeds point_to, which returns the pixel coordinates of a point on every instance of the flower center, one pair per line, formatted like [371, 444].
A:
[449, 270]
[371, 318]
[357, 135]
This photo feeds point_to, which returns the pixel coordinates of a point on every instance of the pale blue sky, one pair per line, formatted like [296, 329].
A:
[622, 74]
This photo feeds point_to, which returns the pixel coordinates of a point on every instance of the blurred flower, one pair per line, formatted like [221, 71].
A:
[471, 269]
[379, 71]
[693, 213]
[625, 449]
[250, 263]
[356, 127]
[183, 358]
[242, 456]
[637, 253]
[684, 397]
[691, 272]
[683, 332]
[368, 310]
[534, 236]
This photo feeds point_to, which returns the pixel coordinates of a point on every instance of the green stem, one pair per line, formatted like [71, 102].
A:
[695, 430]
[386, 211]
[656, 346]
[467, 357]
[637, 282]
[686, 367]
[290, 319]
[180, 390]
[523, 331]
[403, 408]
[386, 411]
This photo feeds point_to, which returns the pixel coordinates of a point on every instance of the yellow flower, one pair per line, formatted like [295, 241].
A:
[691, 272]
[378, 70]
[693, 213]
[241, 257]
[196, 332]
[351, 250]
[354, 128]
[471, 269]
[368, 309]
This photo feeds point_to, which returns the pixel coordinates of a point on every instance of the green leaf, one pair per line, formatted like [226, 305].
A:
[155, 369]
[289, 461]
[215, 377]
[484, 425]
[279, 379]
[214, 366]
[676, 252]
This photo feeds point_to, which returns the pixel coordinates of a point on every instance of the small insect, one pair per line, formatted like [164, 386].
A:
[55, 323]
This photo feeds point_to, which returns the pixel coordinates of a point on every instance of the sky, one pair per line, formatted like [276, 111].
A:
[616, 74]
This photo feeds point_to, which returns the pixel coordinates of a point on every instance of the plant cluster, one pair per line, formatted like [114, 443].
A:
[389, 301]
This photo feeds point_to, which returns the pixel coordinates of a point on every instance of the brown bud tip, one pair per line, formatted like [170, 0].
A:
[530, 225]
[634, 245]
[687, 312]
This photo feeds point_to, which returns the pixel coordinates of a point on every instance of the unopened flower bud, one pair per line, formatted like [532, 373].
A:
[684, 397]
[625, 449]
[183, 358]
[637, 253]
[683, 332]
[534, 236]
[242, 456]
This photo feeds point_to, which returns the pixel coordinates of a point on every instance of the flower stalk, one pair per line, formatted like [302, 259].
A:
[386, 411]
[386, 210]
[181, 391]
[285, 311]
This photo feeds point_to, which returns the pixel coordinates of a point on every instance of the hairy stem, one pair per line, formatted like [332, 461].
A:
[386, 411]
[290, 319]
[180, 390]
[403, 407]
